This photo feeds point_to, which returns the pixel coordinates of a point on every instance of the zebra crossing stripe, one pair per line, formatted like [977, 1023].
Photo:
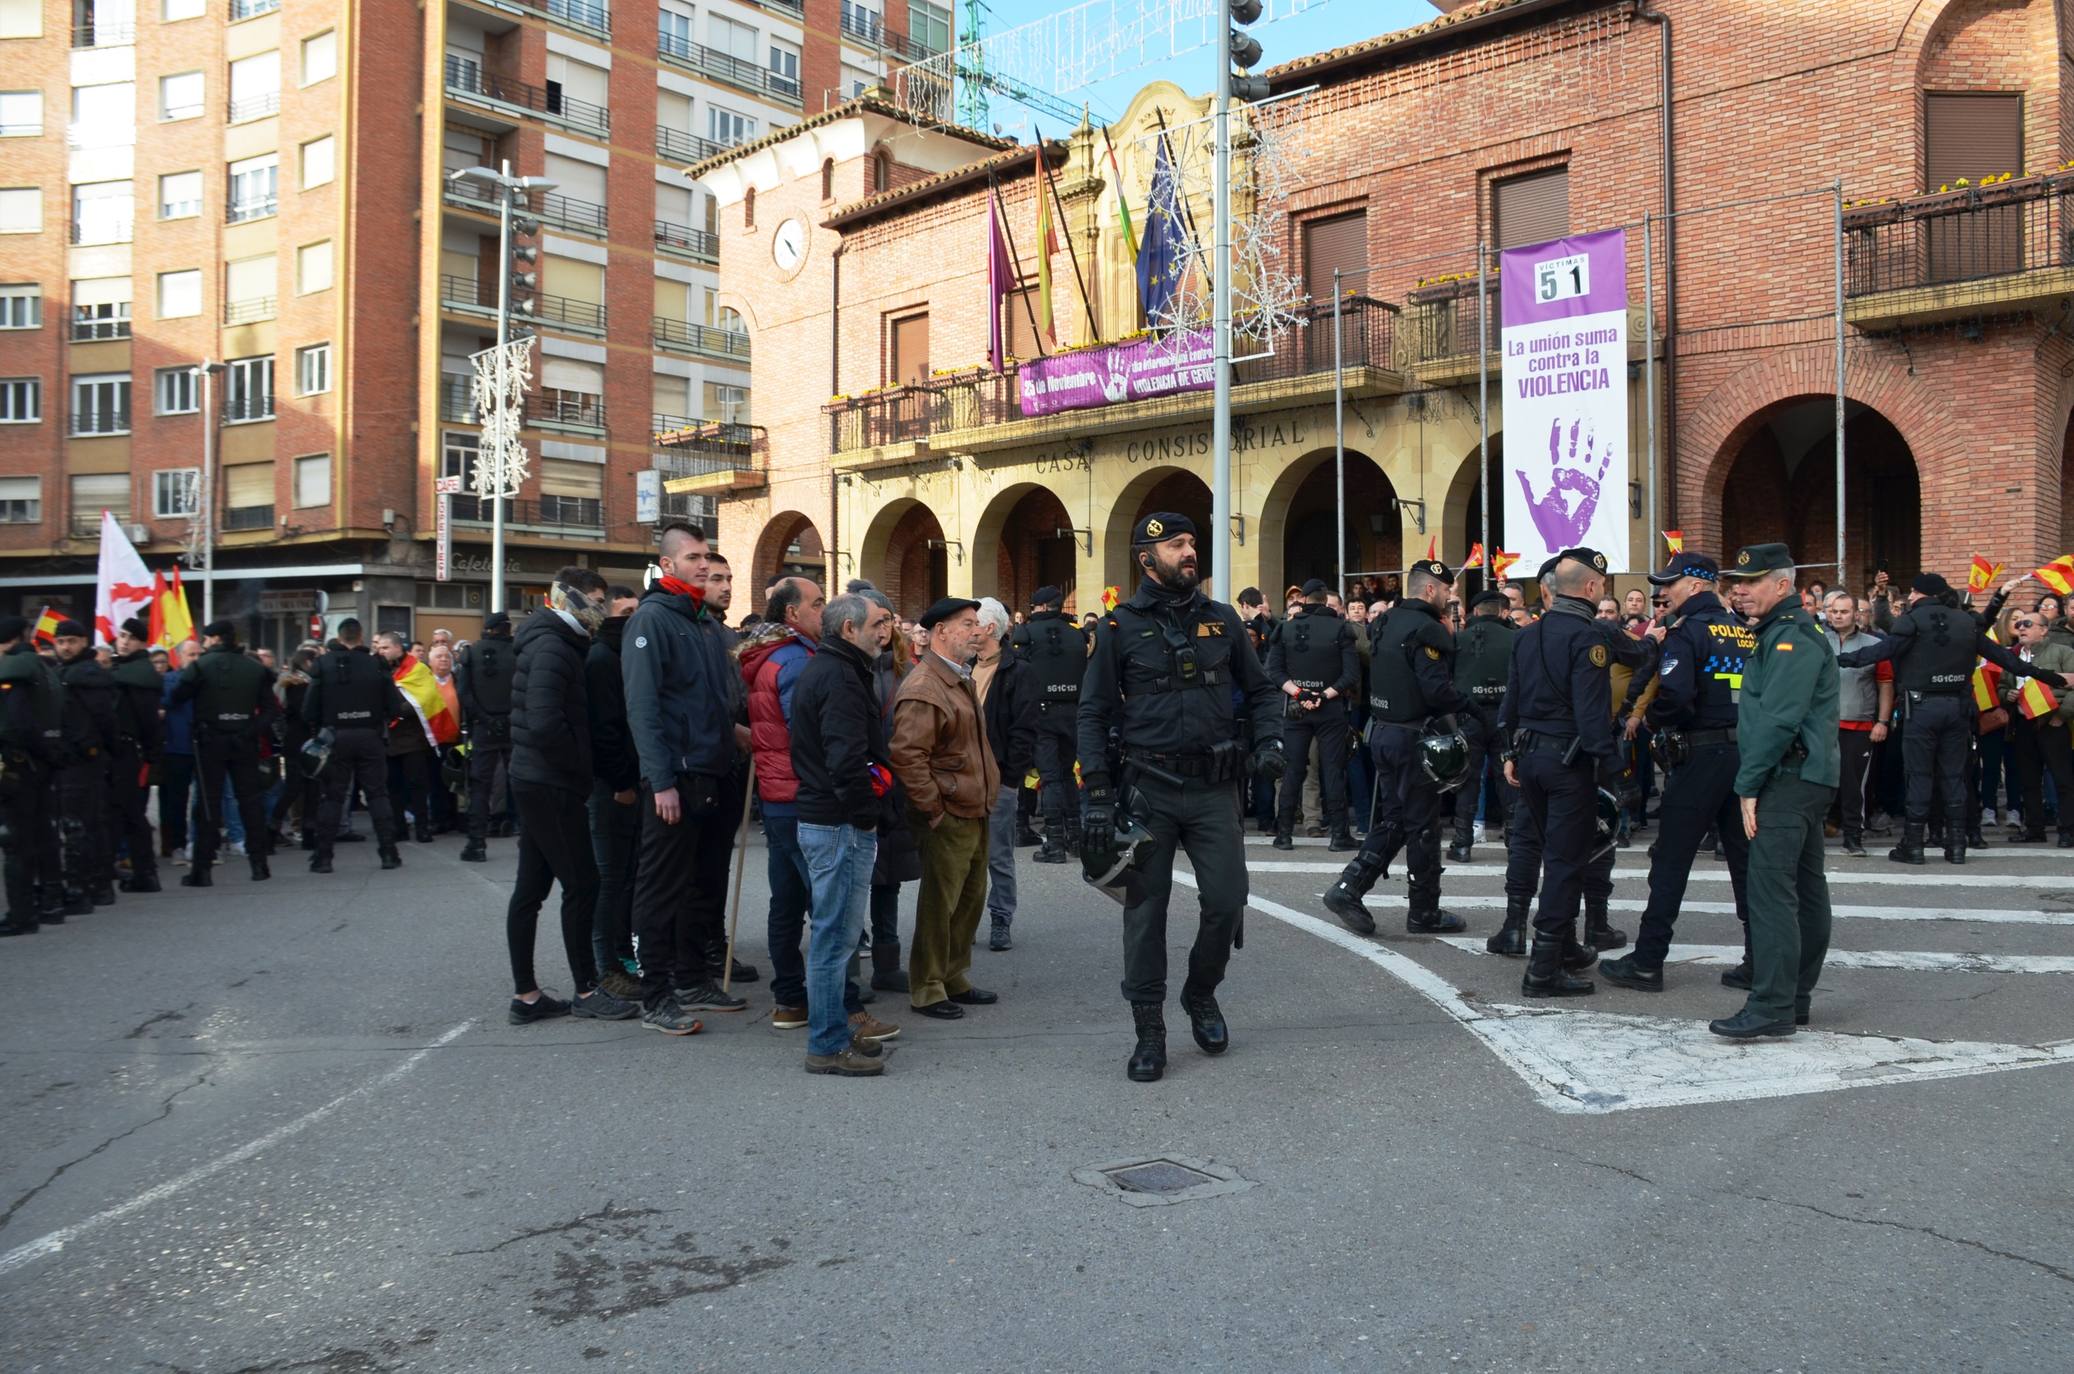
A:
[1906, 960]
[1959, 914]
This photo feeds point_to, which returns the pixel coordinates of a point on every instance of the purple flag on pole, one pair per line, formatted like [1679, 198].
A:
[1000, 285]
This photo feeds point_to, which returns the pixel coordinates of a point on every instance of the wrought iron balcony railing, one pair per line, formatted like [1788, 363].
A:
[556, 406]
[110, 34]
[237, 410]
[258, 207]
[682, 238]
[740, 72]
[251, 9]
[240, 518]
[546, 512]
[569, 213]
[255, 107]
[1972, 234]
[248, 311]
[700, 338]
[467, 78]
[536, 306]
[679, 146]
[100, 328]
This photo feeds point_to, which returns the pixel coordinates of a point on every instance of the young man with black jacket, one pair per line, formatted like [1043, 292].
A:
[615, 801]
[550, 782]
[841, 759]
[678, 697]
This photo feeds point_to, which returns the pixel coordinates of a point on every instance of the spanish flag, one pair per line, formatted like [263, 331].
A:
[179, 622]
[1501, 563]
[1110, 596]
[2058, 574]
[2035, 699]
[1984, 682]
[421, 690]
[1475, 558]
[1982, 574]
[46, 627]
[1674, 540]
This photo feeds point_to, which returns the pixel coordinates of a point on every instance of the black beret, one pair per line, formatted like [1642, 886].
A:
[1314, 587]
[1048, 596]
[1591, 558]
[1161, 524]
[1683, 566]
[1758, 559]
[1433, 568]
[137, 626]
[68, 628]
[495, 621]
[1930, 584]
[1483, 599]
[945, 609]
[222, 629]
[13, 626]
[1547, 567]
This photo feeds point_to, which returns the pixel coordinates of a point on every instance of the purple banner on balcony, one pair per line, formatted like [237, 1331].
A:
[1121, 372]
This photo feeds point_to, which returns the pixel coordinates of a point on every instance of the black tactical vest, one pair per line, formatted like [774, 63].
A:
[351, 695]
[1942, 660]
[24, 671]
[1393, 689]
[1056, 650]
[1483, 655]
[1311, 649]
[489, 663]
[228, 701]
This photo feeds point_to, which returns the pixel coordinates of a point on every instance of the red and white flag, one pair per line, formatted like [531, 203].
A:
[122, 586]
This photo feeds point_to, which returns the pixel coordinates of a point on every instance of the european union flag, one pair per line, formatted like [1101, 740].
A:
[1163, 256]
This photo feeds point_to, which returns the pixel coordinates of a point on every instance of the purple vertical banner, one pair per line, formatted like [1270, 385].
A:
[1563, 313]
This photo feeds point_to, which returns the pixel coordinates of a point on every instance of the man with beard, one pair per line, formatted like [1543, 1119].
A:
[1164, 667]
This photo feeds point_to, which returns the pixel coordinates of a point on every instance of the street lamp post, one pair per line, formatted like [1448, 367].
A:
[205, 499]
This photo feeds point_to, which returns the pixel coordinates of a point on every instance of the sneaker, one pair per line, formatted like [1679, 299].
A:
[669, 1018]
[997, 938]
[1476, 833]
[600, 1005]
[847, 1064]
[864, 1026]
[707, 996]
[543, 1008]
[622, 985]
[235, 849]
[790, 1018]
[181, 856]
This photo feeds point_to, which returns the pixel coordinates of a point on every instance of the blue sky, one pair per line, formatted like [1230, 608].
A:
[1325, 25]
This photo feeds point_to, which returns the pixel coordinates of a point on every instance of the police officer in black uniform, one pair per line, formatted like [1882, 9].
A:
[82, 781]
[1558, 699]
[1165, 668]
[1056, 650]
[482, 679]
[1313, 659]
[232, 692]
[1483, 656]
[32, 729]
[138, 739]
[1693, 717]
[1933, 645]
[1411, 689]
[353, 695]
[1259, 794]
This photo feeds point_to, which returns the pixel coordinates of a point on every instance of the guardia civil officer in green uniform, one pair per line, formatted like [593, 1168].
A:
[1786, 735]
[230, 690]
[1166, 669]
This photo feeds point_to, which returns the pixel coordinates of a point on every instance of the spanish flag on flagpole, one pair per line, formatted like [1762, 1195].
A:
[2035, 699]
[1981, 574]
[2058, 574]
[1047, 244]
[179, 623]
[1475, 558]
[1501, 563]
[415, 681]
[1984, 686]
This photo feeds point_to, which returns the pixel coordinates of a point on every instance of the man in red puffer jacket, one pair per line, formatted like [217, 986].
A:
[772, 657]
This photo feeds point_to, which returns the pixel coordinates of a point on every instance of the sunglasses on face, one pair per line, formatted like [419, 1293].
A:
[2023, 624]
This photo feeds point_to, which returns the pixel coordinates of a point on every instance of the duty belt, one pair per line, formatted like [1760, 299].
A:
[1702, 739]
[1534, 742]
[1181, 765]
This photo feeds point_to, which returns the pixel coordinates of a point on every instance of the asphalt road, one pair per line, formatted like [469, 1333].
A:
[284, 1126]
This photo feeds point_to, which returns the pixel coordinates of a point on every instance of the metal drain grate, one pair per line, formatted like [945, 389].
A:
[1156, 1180]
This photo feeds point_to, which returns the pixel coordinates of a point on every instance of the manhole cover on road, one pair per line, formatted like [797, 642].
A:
[1157, 1180]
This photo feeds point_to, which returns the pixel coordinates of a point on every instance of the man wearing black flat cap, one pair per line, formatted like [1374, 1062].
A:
[229, 689]
[1314, 662]
[1056, 650]
[1411, 691]
[137, 736]
[1166, 666]
[1483, 658]
[1933, 646]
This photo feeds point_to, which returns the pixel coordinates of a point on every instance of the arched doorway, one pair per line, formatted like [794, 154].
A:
[1464, 509]
[905, 556]
[1171, 489]
[1297, 525]
[1778, 484]
[789, 546]
[1017, 546]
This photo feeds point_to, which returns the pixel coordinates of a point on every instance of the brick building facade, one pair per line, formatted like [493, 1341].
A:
[1502, 123]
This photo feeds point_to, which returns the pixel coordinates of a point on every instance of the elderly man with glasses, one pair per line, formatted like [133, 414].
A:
[2038, 730]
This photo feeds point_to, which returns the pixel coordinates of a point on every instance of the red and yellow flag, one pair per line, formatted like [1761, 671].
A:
[1674, 540]
[1047, 244]
[1501, 563]
[1110, 596]
[1475, 558]
[179, 621]
[421, 690]
[1982, 574]
[1984, 687]
[2035, 699]
[46, 627]
[2058, 574]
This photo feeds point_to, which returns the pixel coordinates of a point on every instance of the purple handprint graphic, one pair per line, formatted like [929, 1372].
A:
[1565, 513]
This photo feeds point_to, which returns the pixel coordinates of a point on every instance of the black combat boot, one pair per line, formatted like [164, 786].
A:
[422, 832]
[1510, 939]
[390, 858]
[1149, 1059]
[475, 852]
[1423, 915]
[1073, 838]
[1206, 1021]
[1624, 972]
[1599, 935]
[1459, 852]
[1344, 898]
[20, 923]
[1283, 838]
[1546, 977]
[1577, 957]
[1955, 841]
[320, 862]
[1910, 850]
[1854, 844]
[886, 973]
[1024, 835]
[260, 872]
[1975, 839]
[103, 894]
[1343, 841]
[1052, 851]
[197, 876]
[147, 882]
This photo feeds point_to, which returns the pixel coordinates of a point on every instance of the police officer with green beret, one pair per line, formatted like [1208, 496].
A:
[1786, 734]
[230, 690]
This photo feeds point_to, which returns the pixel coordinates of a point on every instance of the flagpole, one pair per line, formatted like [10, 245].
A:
[1220, 324]
[1015, 262]
[1086, 303]
[208, 369]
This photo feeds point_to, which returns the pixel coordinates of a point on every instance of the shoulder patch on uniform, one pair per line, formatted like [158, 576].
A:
[1432, 652]
[1599, 656]
[1669, 665]
[640, 641]
[1784, 646]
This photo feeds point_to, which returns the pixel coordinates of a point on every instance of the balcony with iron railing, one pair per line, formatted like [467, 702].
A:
[580, 14]
[244, 519]
[249, 311]
[678, 146]
[456, 400]
[466, 293]
[983, 409]
[257, 207]
[108, 34]
[101, 328]
[551, 514]
[98, 231]
[740, 72]
[566, 212]
[254, 107]
[682, 238]
[1442, 324]
[867, 27]
[238, 410]
[558, 408]
[710, 456]
[467, 79]
[2007, 246]
[700, 338]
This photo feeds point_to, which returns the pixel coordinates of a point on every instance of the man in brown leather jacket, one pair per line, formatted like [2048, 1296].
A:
[941, 756]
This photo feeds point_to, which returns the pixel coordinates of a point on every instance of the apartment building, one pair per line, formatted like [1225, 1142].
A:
[264, 187]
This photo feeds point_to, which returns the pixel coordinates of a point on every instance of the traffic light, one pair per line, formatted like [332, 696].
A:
[525, 280]
[1244, 51]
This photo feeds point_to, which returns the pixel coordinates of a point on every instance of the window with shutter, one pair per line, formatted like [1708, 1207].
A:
[1967, 137]
[910, 351]
[247, 485]
[1531, 209]
[1338, 243]
[568, 477]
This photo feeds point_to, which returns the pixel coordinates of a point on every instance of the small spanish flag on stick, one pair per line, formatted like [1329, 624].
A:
[1432, 548]
[1982, 574]
[46, 626]
[1501, 563]
[1475, 558]
[1110, 596]
[2058, 574]
[1674, 540]
[1984, 687]
[2035, 699]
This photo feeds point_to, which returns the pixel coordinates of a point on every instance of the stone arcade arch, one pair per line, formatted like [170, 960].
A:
[1158, 488]
[1017, 547]
[790, 545]
[904, 553]
[1296, 533]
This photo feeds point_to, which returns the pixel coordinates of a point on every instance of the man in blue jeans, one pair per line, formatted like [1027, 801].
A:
[841, 760]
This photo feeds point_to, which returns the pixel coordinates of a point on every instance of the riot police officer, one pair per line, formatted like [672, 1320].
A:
[1315, 663]
[31, 741]
[1165, 668]
[1056, 650]
[1558, 699]
[1699, 680]
[1933, 646]
[232, 691]
[1411, 688]
[82, 780]
[1483, 655]
[138, 735]
[353, 696]
[482, 678]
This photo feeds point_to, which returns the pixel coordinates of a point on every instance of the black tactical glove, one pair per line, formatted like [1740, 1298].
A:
[1619, 781]
[1269, 762]
[1098, 820]
[2056, 681]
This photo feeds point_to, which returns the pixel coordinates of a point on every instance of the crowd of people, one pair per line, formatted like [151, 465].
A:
[626, 738]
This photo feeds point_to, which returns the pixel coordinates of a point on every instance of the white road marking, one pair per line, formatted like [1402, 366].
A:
[1578, 1061]
[1907, 960]
[1997, 849]
[1468, 902]
[1839, 876]
[57, 1240]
